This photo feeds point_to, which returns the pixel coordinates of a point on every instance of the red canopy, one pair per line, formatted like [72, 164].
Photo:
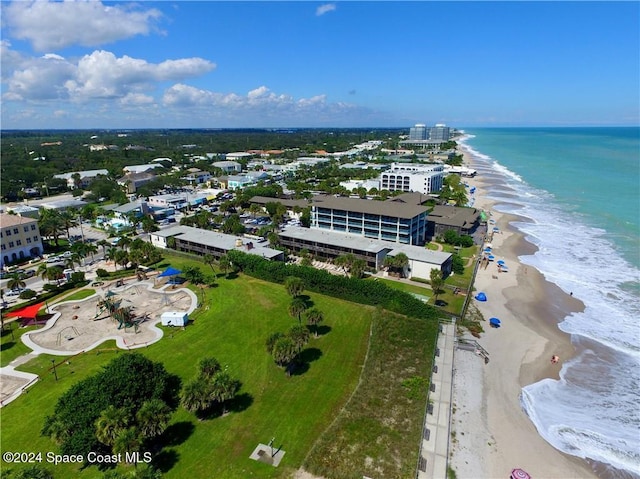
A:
[28, 312]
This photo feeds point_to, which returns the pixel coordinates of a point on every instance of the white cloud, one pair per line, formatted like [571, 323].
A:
[326, 8]
[98, 75]
[55, 25]
[136, 99]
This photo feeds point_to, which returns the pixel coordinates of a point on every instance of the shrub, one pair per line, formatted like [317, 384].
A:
[28, 294]
[102, 273]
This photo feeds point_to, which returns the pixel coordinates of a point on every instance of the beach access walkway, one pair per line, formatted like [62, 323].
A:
[434, 451]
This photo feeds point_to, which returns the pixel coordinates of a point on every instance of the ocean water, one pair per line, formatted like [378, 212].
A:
[577, 191]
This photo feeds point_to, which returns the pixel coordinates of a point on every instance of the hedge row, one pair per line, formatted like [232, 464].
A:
[374, 293]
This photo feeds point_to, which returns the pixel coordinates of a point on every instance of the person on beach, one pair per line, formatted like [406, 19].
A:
[554, 359]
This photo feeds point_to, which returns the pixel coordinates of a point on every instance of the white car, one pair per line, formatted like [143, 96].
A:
[12, 293]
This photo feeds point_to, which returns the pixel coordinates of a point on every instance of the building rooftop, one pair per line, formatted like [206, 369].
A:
[14, 220]
[386, 208]
[218, 240]
[453, 215]
[347, 240]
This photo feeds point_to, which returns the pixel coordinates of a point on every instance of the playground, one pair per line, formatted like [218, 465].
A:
[127, 314]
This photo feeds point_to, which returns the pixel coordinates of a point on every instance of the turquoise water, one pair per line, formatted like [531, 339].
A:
[577, 192]
[592, 171]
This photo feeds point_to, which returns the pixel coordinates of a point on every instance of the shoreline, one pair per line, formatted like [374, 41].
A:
[491, 432]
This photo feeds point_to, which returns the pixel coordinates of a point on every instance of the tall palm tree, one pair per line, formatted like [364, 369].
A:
[104, 244]
[69, 218]
[111, 422]
[16, 283]
[315, 317]
[50, 224]
[224, 388]
[297, 307]
[209, 366]
[300, 336]
[112, 255]
[284, 352]
[128, 440]
[210, 260]
[294, 286]
[153, 418]
[224, 263]
[195, 396]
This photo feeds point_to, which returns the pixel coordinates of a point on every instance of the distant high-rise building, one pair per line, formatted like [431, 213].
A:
[418, 132]
[439, 132]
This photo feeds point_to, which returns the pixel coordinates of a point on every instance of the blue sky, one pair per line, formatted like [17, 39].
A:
[312, 64]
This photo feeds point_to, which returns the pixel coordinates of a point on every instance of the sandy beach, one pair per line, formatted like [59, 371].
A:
[491, 434]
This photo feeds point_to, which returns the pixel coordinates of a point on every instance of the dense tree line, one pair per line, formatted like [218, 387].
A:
[320, 281]
[123, 407]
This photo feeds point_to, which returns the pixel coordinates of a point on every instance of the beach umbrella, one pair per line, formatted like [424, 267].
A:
[495, 228]
[520, 474]
[481, 297]
[495, 322]
[501, 262]
[487, 250]
[491, 257]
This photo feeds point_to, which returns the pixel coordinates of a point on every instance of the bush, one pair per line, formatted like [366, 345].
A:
[28, 294]
[457, 264]
[102, 273]
[77, 277]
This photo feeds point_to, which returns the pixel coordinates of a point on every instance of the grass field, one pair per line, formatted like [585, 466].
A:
[238, 316]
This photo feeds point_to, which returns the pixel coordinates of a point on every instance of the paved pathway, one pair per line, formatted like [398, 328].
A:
[434, 454]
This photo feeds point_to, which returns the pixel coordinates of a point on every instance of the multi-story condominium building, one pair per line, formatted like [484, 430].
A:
[439, 132]
[418, 132]
[19, 238]
[393, 220]
[463, 221]
[423, 179]
[328, 245]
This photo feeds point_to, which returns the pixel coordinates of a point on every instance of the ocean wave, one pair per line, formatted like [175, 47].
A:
[591, 412]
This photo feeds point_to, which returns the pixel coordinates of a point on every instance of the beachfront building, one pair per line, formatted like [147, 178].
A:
[396, 220]
[418, 132]
[420, 178]
[440, 132]
[328, 245]
[200, 242]
[19, 239]
[443, 218]
[81, 179]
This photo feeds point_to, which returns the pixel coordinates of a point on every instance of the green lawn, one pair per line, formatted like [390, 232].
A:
[10, 345]
[238, 316]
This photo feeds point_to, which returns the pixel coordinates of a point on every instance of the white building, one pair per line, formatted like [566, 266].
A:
[19, 238]
[140, 168]
[85, 177]
[355, 184]
[228, 166]
[423, 179]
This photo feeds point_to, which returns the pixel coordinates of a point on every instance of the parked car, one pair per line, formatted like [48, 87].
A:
[12, 293]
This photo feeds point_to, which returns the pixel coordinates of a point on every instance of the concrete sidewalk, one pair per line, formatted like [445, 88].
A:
[434, 453]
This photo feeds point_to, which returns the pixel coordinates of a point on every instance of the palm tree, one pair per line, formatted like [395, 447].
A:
[272, 340]
[224, 263]
[128, 440]
[210, 260]
[224, 388]
[112, 255]
[104, 244]
[122, 258]
[284, 352]
[254, 209]
[195, 395]
[153, 418]
[111, 422]
[16, 283]
[294, 286]
[357, 268]
[69, 218]
[315, 317]
[209, 366]
[273, 239]
[50, 224]
[300, 337]
[297, 307]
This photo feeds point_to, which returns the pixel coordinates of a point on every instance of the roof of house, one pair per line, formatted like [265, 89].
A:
[83, 174]
[263, 200]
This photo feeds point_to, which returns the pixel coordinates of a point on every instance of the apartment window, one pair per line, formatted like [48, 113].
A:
[10, 244]
[33, 227]
[19, 243]
[3, 247]
[25, 229]
[35, 238]
[15, 231]
[28, 240]
[8, 233]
